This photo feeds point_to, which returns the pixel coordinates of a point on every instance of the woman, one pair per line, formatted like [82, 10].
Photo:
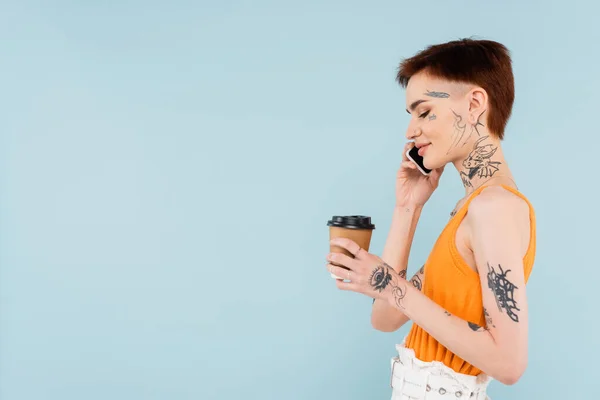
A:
[468, 302]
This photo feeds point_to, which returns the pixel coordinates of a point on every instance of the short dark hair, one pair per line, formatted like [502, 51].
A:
[481, 62]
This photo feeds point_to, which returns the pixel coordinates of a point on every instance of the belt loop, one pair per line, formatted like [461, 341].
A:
[395, 360]
[427, 385]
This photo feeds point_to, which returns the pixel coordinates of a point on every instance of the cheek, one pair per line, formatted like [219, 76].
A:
[439, 131]
[429, 127]
[433, 132]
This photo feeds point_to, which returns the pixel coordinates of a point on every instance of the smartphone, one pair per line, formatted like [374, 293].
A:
[413, 155]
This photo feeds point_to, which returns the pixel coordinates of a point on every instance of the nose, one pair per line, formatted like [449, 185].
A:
[412, 131]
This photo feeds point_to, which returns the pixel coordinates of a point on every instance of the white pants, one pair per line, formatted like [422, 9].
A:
[413, 379]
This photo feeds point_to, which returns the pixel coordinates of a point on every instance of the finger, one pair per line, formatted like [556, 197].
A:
[347, 244]
[339, 273]
[345, 285]
[330, 268]
[341, 260]
[408, 165]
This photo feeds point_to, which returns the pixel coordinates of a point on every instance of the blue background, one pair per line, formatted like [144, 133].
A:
[167, 171]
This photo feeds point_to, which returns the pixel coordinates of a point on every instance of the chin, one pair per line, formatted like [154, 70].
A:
[430, 163]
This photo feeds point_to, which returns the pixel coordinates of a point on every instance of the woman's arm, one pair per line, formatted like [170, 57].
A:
[499, 232]
[384, 317]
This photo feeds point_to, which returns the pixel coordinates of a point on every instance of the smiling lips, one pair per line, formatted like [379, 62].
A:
[423, 148]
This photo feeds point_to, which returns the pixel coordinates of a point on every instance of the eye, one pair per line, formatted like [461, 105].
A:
[424, 114]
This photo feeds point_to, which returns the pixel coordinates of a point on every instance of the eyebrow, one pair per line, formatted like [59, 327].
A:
[415, 104]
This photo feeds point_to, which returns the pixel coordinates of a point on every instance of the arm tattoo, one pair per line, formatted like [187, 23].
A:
[399, 292]
[381, 278]
[416, 281]
[439, 95]
[447, 313]
[488, 319]
[402, 274]
[504, 291]
[476, 327]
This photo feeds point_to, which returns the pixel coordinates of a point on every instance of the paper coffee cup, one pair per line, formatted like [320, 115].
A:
[357, 228]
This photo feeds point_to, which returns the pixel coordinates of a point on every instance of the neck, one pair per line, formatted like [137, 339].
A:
[484, 164]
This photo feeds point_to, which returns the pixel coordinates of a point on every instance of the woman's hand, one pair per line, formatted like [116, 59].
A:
[366, 273]
[413, 189]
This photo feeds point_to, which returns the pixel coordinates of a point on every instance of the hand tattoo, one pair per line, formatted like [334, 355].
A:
[503, 290]
[381, 278]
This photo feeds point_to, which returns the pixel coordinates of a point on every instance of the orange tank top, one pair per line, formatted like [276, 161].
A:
[451, 283]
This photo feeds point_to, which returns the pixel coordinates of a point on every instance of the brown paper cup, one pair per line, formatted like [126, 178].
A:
[356, 228]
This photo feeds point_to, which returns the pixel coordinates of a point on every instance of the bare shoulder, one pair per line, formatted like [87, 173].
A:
[499, 213]
[497, 203]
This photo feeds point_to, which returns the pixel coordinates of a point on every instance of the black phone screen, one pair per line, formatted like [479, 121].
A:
[414, 154]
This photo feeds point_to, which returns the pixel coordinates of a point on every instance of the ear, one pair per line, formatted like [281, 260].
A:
[478, 104]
